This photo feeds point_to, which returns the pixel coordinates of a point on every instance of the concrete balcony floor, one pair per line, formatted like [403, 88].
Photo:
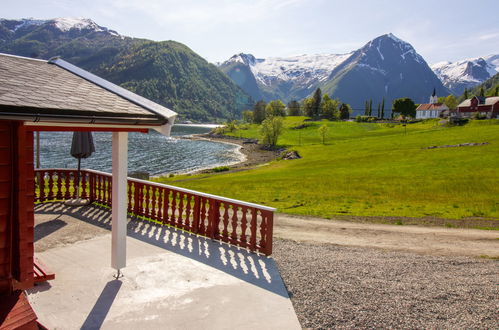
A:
[173, 279]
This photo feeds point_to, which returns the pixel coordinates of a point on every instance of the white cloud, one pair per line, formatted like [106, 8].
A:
[488, 36]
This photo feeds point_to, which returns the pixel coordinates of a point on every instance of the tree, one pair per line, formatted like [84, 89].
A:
[383, 108]
[379, 110]
[308, 105]
[259, 112]
[329, 108]
[248, 116]
[270, 130]
[366, 108]
[275, 108]
[497, 91]
[482, 92]
[345, 111]
[405, 107]
[323, 132]
[294, 108]
[466, 93]
[317, 101]
[451, 102]
[370, 107]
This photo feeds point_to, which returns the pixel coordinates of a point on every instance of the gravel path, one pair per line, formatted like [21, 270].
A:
[354, 287]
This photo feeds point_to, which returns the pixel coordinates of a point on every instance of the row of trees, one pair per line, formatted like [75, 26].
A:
[317, 107]
[368, 109]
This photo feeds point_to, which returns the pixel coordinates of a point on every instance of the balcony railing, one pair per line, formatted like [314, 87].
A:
[228, 220]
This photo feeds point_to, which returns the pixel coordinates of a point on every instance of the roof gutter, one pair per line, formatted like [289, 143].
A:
[37, 117]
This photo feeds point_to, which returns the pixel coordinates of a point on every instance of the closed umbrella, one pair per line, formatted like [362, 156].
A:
[81, 147]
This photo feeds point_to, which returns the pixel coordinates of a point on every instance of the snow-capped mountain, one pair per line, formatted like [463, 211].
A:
[11, 28]
[466, 73]
[386, 67]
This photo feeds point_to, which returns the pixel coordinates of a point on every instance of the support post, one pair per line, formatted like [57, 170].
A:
[119, 200]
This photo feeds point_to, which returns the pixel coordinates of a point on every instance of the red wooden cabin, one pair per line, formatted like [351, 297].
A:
[485, 106]
[54, 95]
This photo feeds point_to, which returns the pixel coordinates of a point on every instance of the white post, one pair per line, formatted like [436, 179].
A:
[119, 200]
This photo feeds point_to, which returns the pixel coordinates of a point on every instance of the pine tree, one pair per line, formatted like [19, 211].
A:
[379, 110]
[482, 92]
[317, 101]
[345, 111]
[259, 112]
[383, 108]
[370, 107]
[294, 108]
[466, 93]
[497, 91]
[366, 108]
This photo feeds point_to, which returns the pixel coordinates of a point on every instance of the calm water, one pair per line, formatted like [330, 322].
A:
[151, 152]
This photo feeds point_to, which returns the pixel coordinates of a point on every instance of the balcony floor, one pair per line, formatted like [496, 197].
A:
[173, 280]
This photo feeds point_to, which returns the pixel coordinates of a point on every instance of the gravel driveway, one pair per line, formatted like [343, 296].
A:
[356, 287]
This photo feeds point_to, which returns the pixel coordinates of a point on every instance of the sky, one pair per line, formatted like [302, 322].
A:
[439, 30]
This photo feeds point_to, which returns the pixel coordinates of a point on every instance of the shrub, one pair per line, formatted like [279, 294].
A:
[220, 169]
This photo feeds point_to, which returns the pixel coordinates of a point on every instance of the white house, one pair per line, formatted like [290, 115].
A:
[432, 109]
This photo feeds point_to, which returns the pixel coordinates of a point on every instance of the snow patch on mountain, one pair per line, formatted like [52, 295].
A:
[462, 70]
[302, 68]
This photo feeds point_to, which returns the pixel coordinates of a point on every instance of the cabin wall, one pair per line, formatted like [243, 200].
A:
[16, 207]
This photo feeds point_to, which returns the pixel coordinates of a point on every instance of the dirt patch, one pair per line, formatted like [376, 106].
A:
[418, 239]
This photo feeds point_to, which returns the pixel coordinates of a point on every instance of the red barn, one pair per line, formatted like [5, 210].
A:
[54, 95]
[485, 106]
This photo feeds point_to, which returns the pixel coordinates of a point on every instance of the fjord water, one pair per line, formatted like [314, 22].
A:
[152, 152]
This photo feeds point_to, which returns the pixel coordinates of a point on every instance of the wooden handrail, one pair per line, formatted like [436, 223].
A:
[240, 223]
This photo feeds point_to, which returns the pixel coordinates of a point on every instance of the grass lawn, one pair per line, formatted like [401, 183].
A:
[370, 169]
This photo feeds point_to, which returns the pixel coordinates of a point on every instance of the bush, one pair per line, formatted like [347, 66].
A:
[365, 119]
[220, 169]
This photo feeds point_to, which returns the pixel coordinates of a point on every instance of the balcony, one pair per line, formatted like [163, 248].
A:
[194, 260]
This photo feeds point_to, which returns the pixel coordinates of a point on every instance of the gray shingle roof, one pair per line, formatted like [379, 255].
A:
[59, 88]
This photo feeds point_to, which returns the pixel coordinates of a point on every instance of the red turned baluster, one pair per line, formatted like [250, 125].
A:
[180, 220]
[173, 218]
[130, 187]
[202, 216]
[225, 232]
[187, 221]
[243, 225]
[196, 214]
[109, 199]
[146, 199]
[41, 185]
[153, 203]
[166, 205]
[67, 183]
[253, 228]
[83, 191]
[160, 204]
[233, 235]
[59, 185]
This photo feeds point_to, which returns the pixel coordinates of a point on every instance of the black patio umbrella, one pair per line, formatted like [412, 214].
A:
[81, 147]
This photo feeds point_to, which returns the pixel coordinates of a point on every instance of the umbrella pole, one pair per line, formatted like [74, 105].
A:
[78, 179]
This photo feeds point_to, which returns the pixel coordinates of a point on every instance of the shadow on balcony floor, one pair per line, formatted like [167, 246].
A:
[171, 276]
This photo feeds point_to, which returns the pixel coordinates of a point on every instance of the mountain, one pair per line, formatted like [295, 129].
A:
[166, 72]
[466, 73]
[490, 87]
[385, 67]
[283, 78]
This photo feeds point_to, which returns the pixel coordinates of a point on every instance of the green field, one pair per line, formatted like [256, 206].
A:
[371, 169]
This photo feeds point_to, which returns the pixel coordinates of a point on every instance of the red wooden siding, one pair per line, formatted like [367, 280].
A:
[16, 206]
[5, 205]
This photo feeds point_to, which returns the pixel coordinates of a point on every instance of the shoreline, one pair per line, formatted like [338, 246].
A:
[251, 156]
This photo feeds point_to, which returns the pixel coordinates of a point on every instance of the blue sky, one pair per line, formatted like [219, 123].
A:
[216, 29]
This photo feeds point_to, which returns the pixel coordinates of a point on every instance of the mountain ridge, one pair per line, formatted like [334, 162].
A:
[170, 74]
[385, 67]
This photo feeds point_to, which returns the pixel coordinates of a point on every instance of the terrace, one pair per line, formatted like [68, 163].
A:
[194, 260]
